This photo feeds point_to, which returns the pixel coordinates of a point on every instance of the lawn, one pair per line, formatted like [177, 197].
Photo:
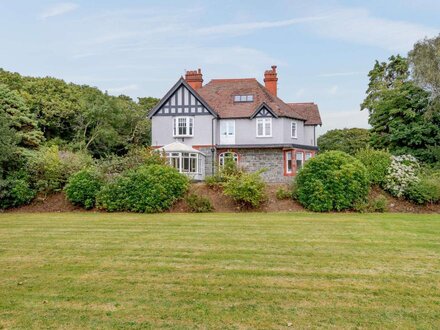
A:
[250, 270]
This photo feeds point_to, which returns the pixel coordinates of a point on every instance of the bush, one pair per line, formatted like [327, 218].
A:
[378, 204]
[82, 188]
[215, 181]
[149, 189]
[246, 189]
[424, 191]
[377, 163]
[401, 174]
[198, 204]
[330, 181]
[283, 193]
[15, 191]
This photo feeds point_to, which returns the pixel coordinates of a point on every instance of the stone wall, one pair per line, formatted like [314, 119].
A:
[208, 160]
[252, 160]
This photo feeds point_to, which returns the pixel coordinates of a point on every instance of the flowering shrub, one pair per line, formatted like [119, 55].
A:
[401, 174]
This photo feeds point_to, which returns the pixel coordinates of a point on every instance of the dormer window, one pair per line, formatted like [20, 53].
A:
[243, 98]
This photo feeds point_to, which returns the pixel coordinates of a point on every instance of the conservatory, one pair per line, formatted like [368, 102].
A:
[185, 159]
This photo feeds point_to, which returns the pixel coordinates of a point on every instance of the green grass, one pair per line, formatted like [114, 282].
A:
[256, 270]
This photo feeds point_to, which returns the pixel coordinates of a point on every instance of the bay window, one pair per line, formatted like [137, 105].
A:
[185, 162]
[264, 127]
[288, 160]
[183, 126]
[299, 160]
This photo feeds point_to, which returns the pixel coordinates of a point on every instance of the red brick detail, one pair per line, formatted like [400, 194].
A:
[194, 78]
[271, 80]
[293, 155]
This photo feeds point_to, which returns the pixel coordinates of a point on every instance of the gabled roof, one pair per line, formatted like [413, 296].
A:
[309, 111]
[263, 106]
[176, 86]
[219, 94]
[179, 147]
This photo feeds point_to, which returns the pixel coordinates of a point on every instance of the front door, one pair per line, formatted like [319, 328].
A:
[227, 132]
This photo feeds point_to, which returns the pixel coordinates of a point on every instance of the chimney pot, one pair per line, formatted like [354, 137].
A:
[194, 78]
[271, 80]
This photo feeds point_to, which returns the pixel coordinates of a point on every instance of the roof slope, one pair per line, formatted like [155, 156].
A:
[219, 94]
[309, 111]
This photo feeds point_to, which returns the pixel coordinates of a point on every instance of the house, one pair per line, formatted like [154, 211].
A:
[198, 126]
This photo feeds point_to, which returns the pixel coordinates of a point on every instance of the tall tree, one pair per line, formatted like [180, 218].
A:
[349, 140]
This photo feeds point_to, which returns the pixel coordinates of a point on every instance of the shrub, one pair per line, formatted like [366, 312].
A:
[424, 191]
[215, 181]
[15, 191]
[246, 189]
[377, 163]
[401, 174]
[377, 204]
[82, 188]
[149, 189]
[333, 180]
[283, 193]
[198, 204]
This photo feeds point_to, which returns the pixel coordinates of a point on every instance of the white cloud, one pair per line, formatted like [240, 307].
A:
[333, 119]
[333, 90]
[240, 28]
[300, 93]
[58, 9]
[123, 89]
[359, 26]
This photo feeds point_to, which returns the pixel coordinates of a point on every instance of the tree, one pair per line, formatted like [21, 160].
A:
[21, 120]
[398, 112]
[349, 140]
[425, 64]
[8, 143]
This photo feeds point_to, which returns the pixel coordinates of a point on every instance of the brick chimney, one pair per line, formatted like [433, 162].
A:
[194, 78]
[270, 80]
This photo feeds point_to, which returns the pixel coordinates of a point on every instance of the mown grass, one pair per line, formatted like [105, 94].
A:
[182, 271]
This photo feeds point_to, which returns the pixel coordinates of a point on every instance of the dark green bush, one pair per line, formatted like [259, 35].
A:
[424, 191]
[15, 190]
[330, 181]
[247, 189]
[198, 204]
[377, 204]
[147, 189]
[82, 188]
[377, 163]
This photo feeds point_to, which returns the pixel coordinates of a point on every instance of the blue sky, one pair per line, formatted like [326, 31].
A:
[323, 49]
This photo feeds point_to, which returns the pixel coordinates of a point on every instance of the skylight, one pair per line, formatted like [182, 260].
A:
[243, 98]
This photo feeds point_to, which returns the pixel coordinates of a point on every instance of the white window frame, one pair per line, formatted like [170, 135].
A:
[296, 160]
[189, 126]
[294, 124]
[288, 153]
[263, 122]
[222, 156]
[180, 156]
[308, 156]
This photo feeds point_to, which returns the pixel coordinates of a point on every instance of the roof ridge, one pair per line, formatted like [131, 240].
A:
[301, 103]
[233, 79]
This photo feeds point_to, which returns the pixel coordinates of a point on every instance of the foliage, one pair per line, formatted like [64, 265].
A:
[215, 181]
[247, 189]
[399, 112]
[198, 204]
[82, 188]
[348, 140]
[8, 144]
[401, 173]
[15, 190]
[425, 190]
[330, 181]
[21, 120]
[81, 116]
[376, 162]
[376, 204]
[50, 168]
[283, 193]
[149, 189]
[424, 60]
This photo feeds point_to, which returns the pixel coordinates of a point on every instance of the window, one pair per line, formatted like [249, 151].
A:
[299, 160]
[243, 98]
[227, 155]
[184, 162]
[308, 155]
[264, 127]
[288, 158]
[293, 130]
[183, 126]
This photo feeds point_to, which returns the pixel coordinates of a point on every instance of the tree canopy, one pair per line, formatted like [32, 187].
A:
[348, 140]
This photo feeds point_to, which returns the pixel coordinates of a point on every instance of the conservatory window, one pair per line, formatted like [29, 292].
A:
[185, 162]
[183, 126]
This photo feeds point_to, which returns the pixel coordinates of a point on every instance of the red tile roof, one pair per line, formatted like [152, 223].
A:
[308, 110]
[219, 94]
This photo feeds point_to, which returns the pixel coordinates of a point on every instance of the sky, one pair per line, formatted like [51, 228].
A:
[323, 49]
